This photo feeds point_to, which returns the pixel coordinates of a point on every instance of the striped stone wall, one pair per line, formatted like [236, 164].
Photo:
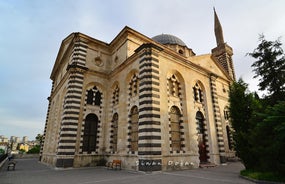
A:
[217, 116]
[46, 123]
[71, 108]
[149, 143]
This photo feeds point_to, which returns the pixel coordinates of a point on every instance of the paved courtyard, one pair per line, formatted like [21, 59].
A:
[30, 171]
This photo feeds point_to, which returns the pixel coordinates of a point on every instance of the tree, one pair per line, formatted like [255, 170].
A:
[259, 123]
[36, 149]
[269, 67]
[2, 151]
[243, 106]
[39, 138]
[269, 136]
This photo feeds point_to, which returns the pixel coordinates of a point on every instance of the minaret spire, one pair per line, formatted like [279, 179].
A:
[218, 30]
[223, 52]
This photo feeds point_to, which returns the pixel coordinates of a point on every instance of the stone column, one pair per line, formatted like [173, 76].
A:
[217, 118]
[71, 109]
[149, 143]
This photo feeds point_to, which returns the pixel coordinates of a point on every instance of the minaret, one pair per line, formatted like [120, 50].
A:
[218, 30]
[223, 52]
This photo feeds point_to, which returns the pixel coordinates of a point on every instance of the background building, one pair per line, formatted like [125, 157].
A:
[150, 102]
[25, 139]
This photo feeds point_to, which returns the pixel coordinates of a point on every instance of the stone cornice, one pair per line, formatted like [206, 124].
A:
[148, 45]
[75, 67]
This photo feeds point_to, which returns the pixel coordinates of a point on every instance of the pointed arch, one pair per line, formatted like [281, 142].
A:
[199, 92]
[90, 133]
[175, 83]
[226, 113]
[134, 120]
[175, 128]
[133, 81]
[93, 96]
[202, 141]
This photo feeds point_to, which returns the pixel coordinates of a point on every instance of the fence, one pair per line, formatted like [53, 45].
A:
[3, 157]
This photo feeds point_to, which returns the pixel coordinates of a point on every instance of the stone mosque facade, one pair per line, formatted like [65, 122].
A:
[150, 102]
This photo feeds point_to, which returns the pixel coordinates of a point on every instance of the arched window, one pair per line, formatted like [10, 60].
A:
[134, 128]
[97, 98]
[94, 96]
[115, 132]
[198, 93]
[175, 128]
[90, 95]
[134, 86]
[173, 84]
[226, 113]
[90, 133]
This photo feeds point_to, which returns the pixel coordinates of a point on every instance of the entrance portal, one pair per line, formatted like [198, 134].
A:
[201, 137]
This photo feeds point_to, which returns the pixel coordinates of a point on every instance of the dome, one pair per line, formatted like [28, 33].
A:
[168, 39]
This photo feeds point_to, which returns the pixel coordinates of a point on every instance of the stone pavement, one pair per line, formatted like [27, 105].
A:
[30, 171]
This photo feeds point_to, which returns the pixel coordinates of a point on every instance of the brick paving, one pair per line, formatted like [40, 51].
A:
[30, 171]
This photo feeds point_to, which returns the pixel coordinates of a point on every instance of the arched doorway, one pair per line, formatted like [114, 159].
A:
[201, 137]
[175, 131]
[90, 133]
[134, 129]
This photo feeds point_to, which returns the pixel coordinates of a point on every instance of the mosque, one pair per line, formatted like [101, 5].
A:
[150, 102]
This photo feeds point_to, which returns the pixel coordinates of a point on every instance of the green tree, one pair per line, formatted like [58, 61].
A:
[269, 136]
[269, 67]
[39, 138]
[34, 150]
[243, 106]
[2, 151]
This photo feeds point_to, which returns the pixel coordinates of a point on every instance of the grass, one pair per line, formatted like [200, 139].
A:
[265, 176]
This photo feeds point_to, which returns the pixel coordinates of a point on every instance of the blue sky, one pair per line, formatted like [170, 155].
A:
[32, 31]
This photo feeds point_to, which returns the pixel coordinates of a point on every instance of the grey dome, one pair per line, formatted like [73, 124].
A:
[168, 39]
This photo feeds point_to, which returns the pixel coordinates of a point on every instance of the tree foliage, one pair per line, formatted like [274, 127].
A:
[2, 151]
[39, 138]
[269, 137]
[242, 109]
[36, 149]
[269, 67]
[259, 123]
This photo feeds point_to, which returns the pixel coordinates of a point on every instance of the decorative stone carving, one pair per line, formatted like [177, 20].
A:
[98, 61]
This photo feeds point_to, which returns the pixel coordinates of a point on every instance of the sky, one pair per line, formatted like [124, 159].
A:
[32, 31]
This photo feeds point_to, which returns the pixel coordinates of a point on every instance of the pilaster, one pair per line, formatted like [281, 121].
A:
[217, 118]
[71, 108]
[149, 144]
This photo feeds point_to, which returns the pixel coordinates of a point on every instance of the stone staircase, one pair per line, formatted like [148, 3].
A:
[207, 165]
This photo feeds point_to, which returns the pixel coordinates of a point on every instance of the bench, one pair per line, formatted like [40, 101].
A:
[115, 164]
[12, 165]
